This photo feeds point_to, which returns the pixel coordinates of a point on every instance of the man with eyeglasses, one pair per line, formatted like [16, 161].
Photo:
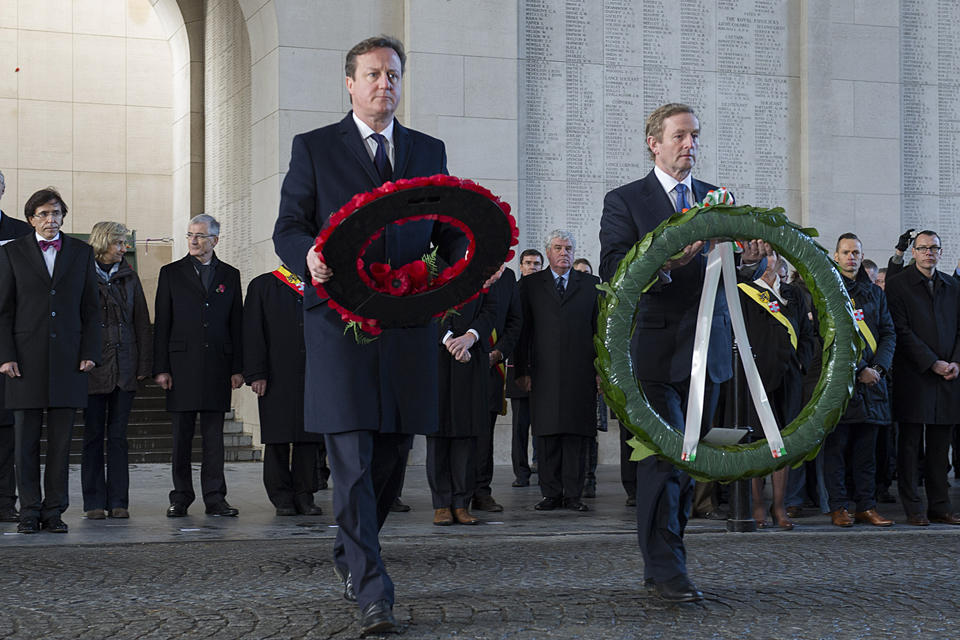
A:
[10, 229]
[49, 340]
[925, 306]
[198, 360]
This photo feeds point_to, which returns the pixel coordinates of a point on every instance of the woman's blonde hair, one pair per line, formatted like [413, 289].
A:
[105, 234]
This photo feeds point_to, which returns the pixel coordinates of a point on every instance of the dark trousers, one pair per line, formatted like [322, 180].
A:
[593, 457]
[27, 425]
[366, 468]
[628, 468]
[8, 475]
[291, 479]
[664, 493]
[109, 414]
[451, 471]
[935, 463]
[886, 455]
[562, 465]
[851, 448]
[521, 431]
[212, 483]
[484, 459]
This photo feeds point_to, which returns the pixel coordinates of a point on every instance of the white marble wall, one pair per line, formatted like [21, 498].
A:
[88, 111]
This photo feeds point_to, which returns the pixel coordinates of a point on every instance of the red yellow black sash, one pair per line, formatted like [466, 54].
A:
[290, 279]
[765, 300]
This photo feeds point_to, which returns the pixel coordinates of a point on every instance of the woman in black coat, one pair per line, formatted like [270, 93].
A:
[127, 360]
[464, 396]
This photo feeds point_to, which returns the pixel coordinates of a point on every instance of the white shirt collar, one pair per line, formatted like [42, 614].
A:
[669, 182]
[40, 237]
[366, 131]
[566, 276]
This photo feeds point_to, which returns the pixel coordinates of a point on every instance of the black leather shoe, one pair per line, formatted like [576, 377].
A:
[177, 510]
[574, 504]
[309, 509]
[9, 514]
[679, 589]
[399, 507]
[884, 496]
[631, 502]
[222, 508]
[589, 491]
[716, 514]
[286, 510]
[520, 482]
[30, 524]
[649, 584]
[548, 504]
[487, 503]
[54, 524]
[377, 618]
[348, 593]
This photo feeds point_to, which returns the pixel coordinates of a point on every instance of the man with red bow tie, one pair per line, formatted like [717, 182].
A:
[49, 340]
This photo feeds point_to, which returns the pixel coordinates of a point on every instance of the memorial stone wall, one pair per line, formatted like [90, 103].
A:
[592, 71]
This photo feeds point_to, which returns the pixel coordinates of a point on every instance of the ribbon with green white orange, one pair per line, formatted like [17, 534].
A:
[637, 272]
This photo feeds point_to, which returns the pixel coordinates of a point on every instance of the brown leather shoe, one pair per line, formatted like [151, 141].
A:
[794, 512]
[465, 517]
[841, 518]
[945, 518]
[872, 517]
[442, 518]
[918, 520]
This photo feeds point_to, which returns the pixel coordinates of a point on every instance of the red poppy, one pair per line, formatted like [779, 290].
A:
[398, 283]
[418, 273]
[381, 273]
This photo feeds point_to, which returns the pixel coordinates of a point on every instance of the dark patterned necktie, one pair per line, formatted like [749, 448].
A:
[560, 287]
[380, 158]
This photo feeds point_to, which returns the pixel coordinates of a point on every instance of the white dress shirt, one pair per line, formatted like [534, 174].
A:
[50, 255]
[371, 144]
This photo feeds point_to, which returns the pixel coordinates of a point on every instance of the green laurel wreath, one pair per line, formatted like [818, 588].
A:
[638, 272]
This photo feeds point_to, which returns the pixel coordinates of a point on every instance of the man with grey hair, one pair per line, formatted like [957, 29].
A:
[554, 362]
[10, 229]
[198, 360]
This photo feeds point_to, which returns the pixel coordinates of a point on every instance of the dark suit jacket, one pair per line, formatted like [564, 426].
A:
[556, 350]
[10, 229]
[48, 325]
[197, 335]
[662, 344]
[273, 350]
[508, 324]
[388, 385]
[928, 329]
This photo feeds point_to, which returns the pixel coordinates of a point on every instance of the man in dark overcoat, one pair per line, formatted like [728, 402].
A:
[554, 362]
[662, 343]
[49, 340]
[925, 307]
[198, 359]
[464, 398]
[850, 450]
[10, 229]
[506, 331]
[274, 365]
[367, 399]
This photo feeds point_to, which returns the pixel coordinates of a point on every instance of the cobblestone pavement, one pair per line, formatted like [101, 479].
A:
[554, 575]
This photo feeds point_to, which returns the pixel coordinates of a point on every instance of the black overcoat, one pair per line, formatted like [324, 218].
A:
[556, 350]
[124, 333]
[928, 329]
[388, 385]
[48, 325]
[780, 365]
[870, 404]
[10, 229]
[273, 350]
[465, 386]
[508, 324]
[197, 335]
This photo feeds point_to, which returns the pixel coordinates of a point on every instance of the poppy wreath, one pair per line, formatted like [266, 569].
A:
[638, 271]
[372, 298]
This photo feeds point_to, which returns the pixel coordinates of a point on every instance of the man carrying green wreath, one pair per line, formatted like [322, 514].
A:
[663, 343]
